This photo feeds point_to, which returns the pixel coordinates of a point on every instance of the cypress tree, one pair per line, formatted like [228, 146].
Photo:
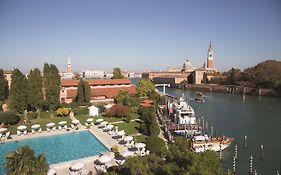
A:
[51, 82]
[2, 86]
[18, 91]
[83, 92]
[87, 90]
[35, 89]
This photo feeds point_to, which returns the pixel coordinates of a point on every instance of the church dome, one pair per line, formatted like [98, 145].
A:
[187, 65]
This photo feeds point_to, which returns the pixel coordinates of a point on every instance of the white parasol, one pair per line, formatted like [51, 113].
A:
[50, 125]
[126, 153]
[76, 166]
[121, 133]
[89, 120]
[75, 122]
[128, 138]
[109, 127]
[62, 122]
[104, 159]
[21, 127]
[104, 123]
[36, 126]
[99, 120]
[140, 145]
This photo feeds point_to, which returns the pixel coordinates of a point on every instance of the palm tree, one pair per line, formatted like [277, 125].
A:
[24, 162]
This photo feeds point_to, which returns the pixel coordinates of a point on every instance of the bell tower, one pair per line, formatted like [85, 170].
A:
[210, 57]
[69, 68]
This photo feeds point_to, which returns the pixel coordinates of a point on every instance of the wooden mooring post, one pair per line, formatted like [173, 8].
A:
[245, 142]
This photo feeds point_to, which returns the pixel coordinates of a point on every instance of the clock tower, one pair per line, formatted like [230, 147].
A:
[210, 57]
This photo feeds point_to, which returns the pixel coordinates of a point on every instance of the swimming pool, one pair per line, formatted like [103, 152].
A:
[58, 148]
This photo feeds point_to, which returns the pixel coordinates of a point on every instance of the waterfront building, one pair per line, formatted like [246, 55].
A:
[102, 90]
[188, 73]
[93, 74]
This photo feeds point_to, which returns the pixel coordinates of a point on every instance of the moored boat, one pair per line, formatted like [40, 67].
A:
[202, 143]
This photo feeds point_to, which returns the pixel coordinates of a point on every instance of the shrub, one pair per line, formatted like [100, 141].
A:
[9, 117]
[44, 105]
[81, 110]
[153, 127]
[118, 110]
[62, 111]
[32, 115]
[155, 144]
[128, 118]
[115, 148]
[143, 128]
[45, 114]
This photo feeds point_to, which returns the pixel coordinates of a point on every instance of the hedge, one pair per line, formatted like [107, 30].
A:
[9, 117]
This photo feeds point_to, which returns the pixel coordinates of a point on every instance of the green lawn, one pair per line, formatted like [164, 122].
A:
[41, 121]
[129, 128]
[140, 138]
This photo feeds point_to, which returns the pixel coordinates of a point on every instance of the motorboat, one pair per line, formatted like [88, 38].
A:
[199, 97]
[202, 143]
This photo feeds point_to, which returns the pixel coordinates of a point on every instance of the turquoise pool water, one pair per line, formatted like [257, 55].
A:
[58, 148]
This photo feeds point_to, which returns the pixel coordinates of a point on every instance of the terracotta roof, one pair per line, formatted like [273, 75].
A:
[147, 101]
[96, 82]
[145, 104]
[107, 92]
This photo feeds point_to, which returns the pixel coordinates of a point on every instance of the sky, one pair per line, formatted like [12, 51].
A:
[138, 35]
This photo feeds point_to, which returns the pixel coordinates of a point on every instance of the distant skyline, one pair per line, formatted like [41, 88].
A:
[138, 35]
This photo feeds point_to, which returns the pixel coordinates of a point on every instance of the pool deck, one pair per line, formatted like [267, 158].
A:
[62, 168]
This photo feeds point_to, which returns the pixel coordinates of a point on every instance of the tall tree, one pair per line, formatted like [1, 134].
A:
[51, 82]
[35, 89]
[122, 97]
[205, 78]
[145, 88]
[2, 86]
[117, 74]
[24, 162]
[18, 91]
[83, 92]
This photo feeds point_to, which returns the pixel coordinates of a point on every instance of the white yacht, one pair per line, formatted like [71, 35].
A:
[202, 143]
[183, 113]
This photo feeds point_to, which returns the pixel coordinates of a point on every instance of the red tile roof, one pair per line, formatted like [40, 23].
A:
[146, 104]
[96, 82]
[107, 92]
[147, 101]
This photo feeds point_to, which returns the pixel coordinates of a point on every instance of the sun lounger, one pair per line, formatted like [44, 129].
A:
[25, 132]
[19, 132]
[33, 131]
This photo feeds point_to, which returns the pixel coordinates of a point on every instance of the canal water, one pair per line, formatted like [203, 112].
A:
[258, 118]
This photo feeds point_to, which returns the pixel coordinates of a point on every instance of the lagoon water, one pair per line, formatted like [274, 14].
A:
[258, 118]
